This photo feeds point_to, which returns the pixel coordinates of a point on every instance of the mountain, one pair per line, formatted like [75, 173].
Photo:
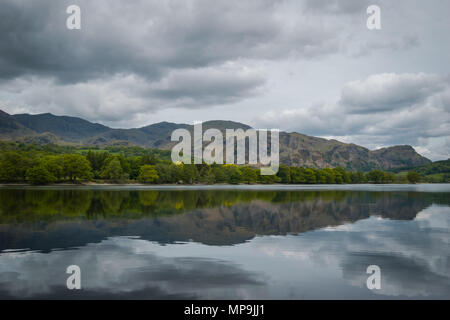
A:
[295, 149]
[10, 128]
[437, 172]
[69, 128]
[301, 150]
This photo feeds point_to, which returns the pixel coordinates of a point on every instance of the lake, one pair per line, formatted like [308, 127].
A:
[226, 242]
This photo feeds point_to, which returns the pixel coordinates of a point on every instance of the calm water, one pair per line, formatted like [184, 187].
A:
[274, 242]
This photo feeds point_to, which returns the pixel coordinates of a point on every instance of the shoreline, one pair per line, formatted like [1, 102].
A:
[219, 186]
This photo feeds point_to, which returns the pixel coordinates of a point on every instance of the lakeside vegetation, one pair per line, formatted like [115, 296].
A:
[45, 164]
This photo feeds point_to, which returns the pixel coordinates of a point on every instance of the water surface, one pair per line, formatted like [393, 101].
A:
[226, 242]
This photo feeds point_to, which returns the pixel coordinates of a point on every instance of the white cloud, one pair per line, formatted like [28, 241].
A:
[389, 91]
[393, 109]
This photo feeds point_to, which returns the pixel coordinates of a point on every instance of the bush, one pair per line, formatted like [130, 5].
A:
[413, 177]
[39, 175]
[148, 174]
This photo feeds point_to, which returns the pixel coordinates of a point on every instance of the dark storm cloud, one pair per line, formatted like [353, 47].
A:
[132, 63]
[338, 6]
[35, 41]
[129, 60]
[148, 38]
[208, 85]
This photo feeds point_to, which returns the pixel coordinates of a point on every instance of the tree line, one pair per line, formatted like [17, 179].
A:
[49, 166]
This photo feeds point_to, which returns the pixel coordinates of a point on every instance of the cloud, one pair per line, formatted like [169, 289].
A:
[119, 271]
[150, 38]
[209, 86]
[131, 60]
[105, 99]
[337, 7]
[388, 91]
[381, 110]
[134, 64]
[410, 253]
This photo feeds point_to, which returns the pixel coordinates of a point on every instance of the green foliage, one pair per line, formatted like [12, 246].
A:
[220, 173]
[206, 175]
[378, 176]
[310, 176]
[113, 170]
[135, 167]
[189, 173]
[414, 177]
[39, 174]
[54, 165]
[375, 176]
[270, 179]
[330, 177]
[50, 163]
[148, 174]
[358, 177]
[97, 160]
[284, 173]
[233, 173]
[342, 175]
[249, 175]
[14, 165]
[76, 166]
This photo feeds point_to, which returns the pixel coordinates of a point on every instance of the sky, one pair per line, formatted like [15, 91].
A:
[309, 66]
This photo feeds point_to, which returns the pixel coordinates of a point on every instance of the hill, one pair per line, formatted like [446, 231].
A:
[438, 171]
[67, 128]
[295, 149]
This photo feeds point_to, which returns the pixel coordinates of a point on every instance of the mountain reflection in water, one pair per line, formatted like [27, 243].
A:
[210, 243]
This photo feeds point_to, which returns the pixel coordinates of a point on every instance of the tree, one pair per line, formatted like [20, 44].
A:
[267, 179]
[164, 173]
[220, 174]
[413, 177]
[8, 169]
[39, 175]
[388, 177]
[310, 176]
[249, 175]
[284, 173]
[375, 176]
[113, 170]
[298, 175]
[54, 165]
[206, 175]
[148, 159]
[148, 174]
[345, 176]
[76, 166]
[14, 165]
[330, 176]
[189, 173]
[175, 173]
[135, 166]
[97, 160]
[338, 177]
[357, 177]
[320, 176]
[233, 173]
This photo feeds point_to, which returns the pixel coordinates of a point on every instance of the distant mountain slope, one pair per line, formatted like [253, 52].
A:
[295, 149]
[442, 166]
[437, 167]
[10, 128]
[68, 128]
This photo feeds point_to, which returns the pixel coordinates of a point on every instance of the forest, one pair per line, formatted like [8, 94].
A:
[46, 164]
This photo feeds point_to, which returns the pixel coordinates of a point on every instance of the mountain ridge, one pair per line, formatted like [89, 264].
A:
[296, 149]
